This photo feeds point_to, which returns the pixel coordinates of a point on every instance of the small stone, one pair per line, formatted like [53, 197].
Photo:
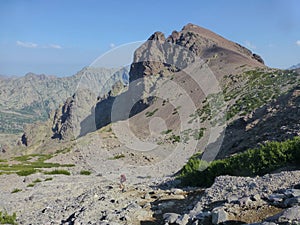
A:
[276, 197]
[133, 206]
[291, 215]
[219, 216]
[176, 191]
[146, 196]
[232, 199]
[244, 201]
[292, 193]
[256, 197]
[183, 220]
[170, 217]
[292, 202]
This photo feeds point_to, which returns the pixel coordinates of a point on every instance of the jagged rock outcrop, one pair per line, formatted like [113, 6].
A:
[160, 55]
[77, 116]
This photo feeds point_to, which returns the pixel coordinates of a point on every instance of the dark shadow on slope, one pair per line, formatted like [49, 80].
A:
[112, 109]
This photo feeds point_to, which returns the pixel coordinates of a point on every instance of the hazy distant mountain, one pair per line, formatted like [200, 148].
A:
[295, 67]
[31, 98]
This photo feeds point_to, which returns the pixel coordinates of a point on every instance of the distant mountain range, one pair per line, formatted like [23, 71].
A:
[31, 98]
[295, 67]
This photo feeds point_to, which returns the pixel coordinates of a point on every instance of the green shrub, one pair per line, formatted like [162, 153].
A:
[48, 179]
[85, 172]
[118, 156]
[174, 138]
[16, 190]
[31, 185]
[53, 172]
[37, 181]
[26, 172]
[5, 218]
[259, 161]
[166, 131]
[149, 114]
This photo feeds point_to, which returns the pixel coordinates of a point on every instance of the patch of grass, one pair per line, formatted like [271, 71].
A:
[119, 156]
[258, 161]
[31, 185]
[16, 190]
[85, 172]
[26, 172]
[5, 218]
[174, 138]
[30, 164]
[175, 111]
[198, 134]
[54, 172]
[166, 131]
[63, 151]
[48, 179]
[37, 181]
[149, 114]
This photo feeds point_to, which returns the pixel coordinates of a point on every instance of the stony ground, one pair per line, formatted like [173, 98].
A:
[79, 199]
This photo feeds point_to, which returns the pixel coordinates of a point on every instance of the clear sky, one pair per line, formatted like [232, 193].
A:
[59, 37]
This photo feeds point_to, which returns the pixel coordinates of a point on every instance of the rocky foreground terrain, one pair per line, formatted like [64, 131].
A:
[79, 199]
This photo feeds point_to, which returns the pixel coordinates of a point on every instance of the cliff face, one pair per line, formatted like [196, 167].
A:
[76, 117]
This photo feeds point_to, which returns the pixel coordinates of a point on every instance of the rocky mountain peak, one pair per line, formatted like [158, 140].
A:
[159, 54]
[157, 36]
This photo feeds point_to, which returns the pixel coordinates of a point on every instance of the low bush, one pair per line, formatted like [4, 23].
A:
[16, 190]
[85, 172]
[5, 218]
[54, 172]
[258, 161]
[26, 172]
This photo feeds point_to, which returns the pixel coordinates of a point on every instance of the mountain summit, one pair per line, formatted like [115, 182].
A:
[221, 55]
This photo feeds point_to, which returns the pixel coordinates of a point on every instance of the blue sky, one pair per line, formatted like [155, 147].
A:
[59, 37]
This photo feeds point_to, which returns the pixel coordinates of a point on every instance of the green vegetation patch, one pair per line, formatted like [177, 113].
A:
[118, 156]
[166, 131]
[174, 138]
[16, 190]
[54, 172]
[30, 164]
[5, 218]
[253, 162]
[149, 114]
[85, 172]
